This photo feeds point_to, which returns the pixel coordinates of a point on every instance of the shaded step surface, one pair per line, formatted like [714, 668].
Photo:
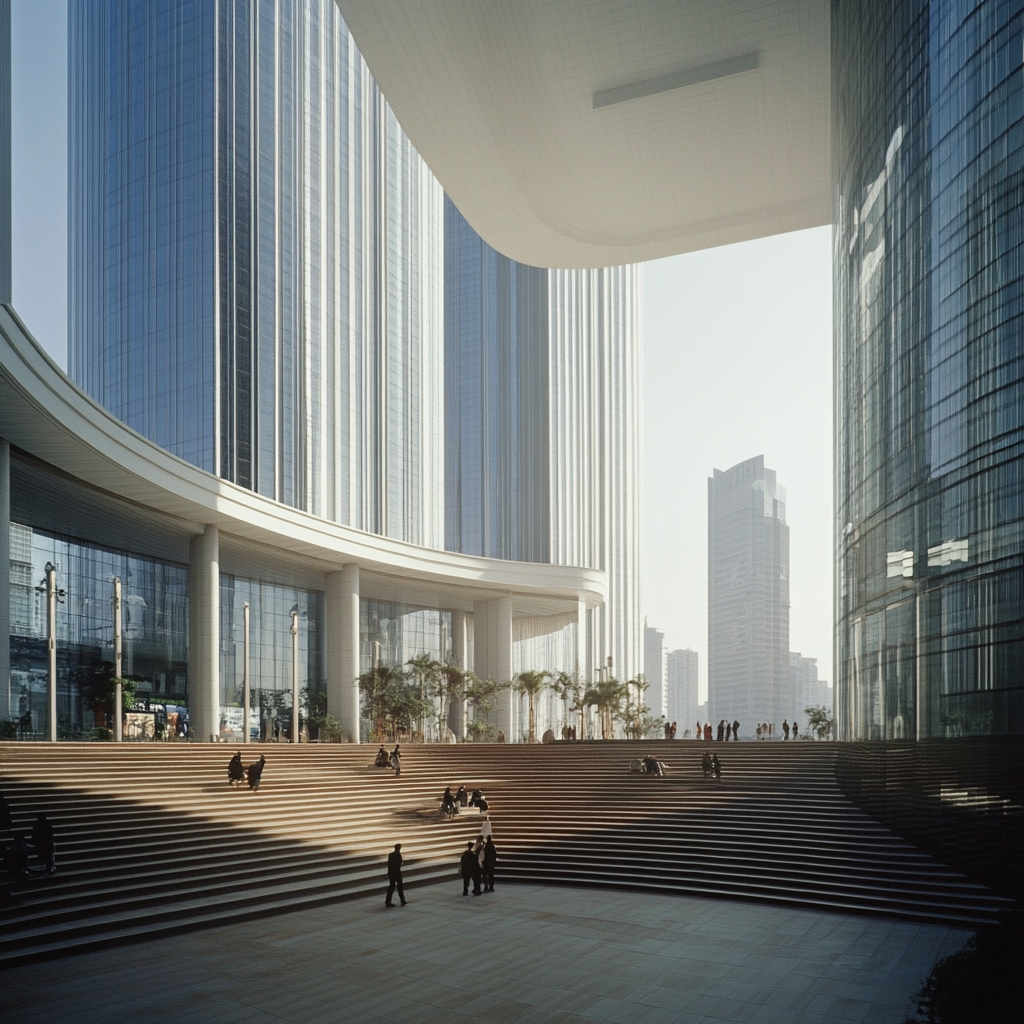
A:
[152, 840]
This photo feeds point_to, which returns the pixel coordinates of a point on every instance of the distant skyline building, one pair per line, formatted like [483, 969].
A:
[542, 433]
[681, 689]
[748, 596]
[256, 256]
[806, 688]
[654, 670]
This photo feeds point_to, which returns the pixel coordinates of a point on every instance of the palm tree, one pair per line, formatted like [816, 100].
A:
[568, 688]
[607, 697]
[427, 670]
[637, 712]
[531, 683]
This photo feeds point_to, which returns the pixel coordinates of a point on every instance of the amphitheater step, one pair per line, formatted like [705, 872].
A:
[152, 840]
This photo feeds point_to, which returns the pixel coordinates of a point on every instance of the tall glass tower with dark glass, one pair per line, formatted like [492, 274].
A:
[928, 136]
[256, 255]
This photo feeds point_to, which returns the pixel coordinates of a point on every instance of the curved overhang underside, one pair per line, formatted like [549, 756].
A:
[46, 416]
[586, 133]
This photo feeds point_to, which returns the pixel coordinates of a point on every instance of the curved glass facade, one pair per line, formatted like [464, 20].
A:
[542, 431]
[928, 137]
[256, 255]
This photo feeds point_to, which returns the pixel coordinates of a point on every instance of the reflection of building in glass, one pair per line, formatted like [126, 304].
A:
[748, 596]
[542, 460]
[681, 686]
[23, 586]
[929, 300]
[255, 253]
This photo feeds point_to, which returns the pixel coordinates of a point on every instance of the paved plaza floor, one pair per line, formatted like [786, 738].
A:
[524, 953]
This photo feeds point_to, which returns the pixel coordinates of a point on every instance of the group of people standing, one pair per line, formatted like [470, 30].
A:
[766, 730]
[726, 731]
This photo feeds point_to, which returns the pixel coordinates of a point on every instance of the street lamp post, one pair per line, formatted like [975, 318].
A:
[118, 693]
[295, 675]
[245, 672]
[53, 595]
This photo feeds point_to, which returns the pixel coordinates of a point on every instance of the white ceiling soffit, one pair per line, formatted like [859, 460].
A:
[577, 133]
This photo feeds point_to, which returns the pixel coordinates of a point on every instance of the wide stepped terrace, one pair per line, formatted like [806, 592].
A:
[152, 840]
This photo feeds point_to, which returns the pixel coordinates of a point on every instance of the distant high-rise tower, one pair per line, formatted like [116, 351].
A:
[256, 255]
[681, 689]
[654, 669]
[748, 596]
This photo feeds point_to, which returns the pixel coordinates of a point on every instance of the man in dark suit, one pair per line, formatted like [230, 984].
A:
[395, 876]
[490, 859]
[467, 865]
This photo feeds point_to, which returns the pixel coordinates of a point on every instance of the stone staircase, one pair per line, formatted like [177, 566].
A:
[152, 840]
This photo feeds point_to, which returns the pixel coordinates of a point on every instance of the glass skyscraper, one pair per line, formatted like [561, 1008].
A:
[748, 597]
[542, 429]
[256, 255]
[928, 136]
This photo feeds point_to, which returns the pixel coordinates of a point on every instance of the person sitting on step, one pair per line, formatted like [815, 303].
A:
[477, 800]
[236, 770]
[255, 773]
[448, 803]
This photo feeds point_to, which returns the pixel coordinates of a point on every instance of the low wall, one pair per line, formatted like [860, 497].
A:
[960, 800]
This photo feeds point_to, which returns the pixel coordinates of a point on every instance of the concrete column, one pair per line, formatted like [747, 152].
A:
[342, 648]
[204, 636]
[5, 580]
[460, 652]
[492, 650]
[581, 640]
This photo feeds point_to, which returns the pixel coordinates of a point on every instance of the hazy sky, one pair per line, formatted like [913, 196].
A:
[737, 363]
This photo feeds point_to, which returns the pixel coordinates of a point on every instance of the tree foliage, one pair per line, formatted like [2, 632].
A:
[529, 684]
[821, 721]
[392, 701]
[608, 696]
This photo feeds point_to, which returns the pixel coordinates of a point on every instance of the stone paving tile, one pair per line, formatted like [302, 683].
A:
[533, 954]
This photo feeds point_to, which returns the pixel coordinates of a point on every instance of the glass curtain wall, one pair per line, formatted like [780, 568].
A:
[154, 630]
[256, 255]
[270, 654]
[542, 426]
[928, 136]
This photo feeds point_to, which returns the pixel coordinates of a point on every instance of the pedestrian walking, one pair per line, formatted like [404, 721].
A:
[716, 766]
[490, 859]
[700, 732]
[795, 730]
[236, 770]
[485, 827]
[785, 729]
[395, 876]
[45, 843]
[735, 731]
[707, 731]
[396, 760]
[721, 729]
[672, 732]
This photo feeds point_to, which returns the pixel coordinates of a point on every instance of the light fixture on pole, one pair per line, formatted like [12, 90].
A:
[245, 672]
[295, 675]
[53, 595]
[118, 692]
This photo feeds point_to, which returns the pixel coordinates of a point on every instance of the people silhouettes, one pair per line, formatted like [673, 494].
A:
[785, 729]
[490, 859]
[395, 877]
[721, 730]
[236, 770]
[255, 773]
[795, 730]
[466, 863]
[396, 760]
[45, 843]
[735, 731]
